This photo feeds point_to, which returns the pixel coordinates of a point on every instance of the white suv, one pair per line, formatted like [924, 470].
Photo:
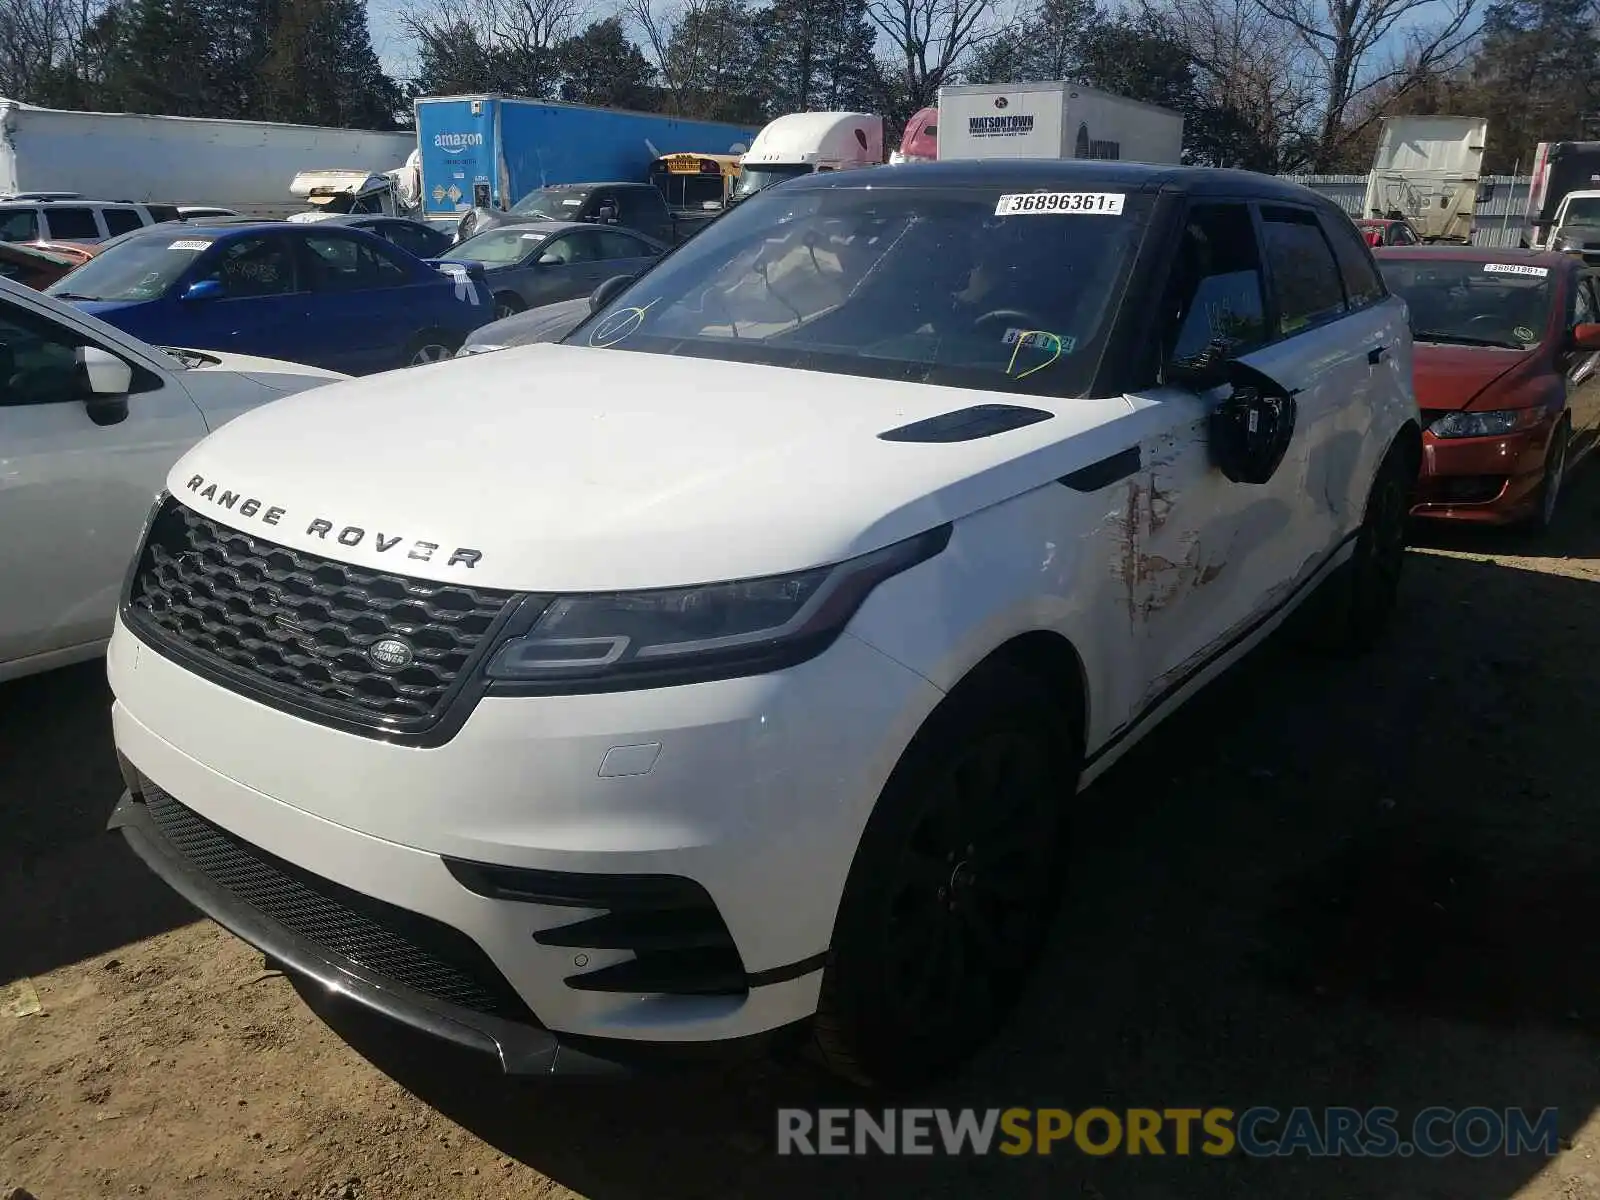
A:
[90, 422]
[724, 672]
[72, 219]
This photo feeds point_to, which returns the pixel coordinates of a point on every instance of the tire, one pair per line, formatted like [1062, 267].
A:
[1354, 607]
[507, 304]
[953, 887]
[432, 346]
[1547, 504]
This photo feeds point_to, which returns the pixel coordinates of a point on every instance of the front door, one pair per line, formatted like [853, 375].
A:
[260, 310]
[73, 494]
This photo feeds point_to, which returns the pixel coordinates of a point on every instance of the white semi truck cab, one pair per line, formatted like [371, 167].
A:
[800, 143]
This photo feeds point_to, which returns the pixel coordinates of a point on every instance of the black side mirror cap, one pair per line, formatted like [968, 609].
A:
[608, 291]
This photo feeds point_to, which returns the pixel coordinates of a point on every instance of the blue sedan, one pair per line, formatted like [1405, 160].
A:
[330, 297]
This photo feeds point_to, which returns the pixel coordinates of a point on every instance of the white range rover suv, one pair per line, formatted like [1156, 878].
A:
[719, 676]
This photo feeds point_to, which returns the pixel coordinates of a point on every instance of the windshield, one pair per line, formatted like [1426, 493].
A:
[753, 179]
[141, 268]
[688, 191]
[498, 247]
[1582, 210]
[551, 204]
[919, 284]
[1473, 303]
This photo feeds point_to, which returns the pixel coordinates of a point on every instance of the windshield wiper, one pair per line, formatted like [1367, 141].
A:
[74, 296]
[1459, 339]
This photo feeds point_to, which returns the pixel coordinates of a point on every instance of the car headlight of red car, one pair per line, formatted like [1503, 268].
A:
[1486, 424]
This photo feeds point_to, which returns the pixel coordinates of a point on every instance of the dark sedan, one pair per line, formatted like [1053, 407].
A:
[540, 262]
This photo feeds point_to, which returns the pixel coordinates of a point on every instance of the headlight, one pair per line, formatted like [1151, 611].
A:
[1486, 424]
[618, 640]
[477, 348]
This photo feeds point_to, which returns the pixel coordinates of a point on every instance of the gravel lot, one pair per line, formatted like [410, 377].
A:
[1362, 883]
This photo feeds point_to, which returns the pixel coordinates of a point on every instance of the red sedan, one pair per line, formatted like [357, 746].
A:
[1507, 343]
[1388, 231]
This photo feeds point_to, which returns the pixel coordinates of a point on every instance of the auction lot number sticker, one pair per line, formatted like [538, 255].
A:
[1105, 204]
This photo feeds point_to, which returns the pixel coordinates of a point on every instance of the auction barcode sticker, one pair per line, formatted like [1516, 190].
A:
[1516, 269]
[1107, 204]
[189, 244]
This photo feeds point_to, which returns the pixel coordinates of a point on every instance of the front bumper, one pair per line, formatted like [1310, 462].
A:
[1485, 480]
[685, 903]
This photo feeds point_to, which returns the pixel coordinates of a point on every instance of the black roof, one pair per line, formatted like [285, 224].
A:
[1068, 173]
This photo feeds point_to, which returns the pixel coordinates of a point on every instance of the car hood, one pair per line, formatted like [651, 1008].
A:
[567, 468]
[273, 373]
[1450, 378]
[550, 321]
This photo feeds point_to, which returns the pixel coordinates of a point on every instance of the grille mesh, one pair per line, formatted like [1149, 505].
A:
[301, 624]
[405, 947]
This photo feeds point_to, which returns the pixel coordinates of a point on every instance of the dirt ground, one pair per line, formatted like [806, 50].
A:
[1362, 884]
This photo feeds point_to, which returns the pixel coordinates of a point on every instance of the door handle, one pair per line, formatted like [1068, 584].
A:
[1374, 357]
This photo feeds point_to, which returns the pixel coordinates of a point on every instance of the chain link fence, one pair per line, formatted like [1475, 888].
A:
[1498, 221]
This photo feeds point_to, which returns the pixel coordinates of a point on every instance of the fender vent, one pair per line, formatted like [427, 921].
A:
[968, 424]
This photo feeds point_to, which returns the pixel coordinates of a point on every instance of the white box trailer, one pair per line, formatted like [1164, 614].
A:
[1054, 120]
[1427, 169]
[242, 165]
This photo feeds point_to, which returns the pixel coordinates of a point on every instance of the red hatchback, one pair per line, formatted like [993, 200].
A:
[1506, 346]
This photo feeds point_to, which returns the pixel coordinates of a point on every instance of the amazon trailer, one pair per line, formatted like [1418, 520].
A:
[1558, 168]
[489, 151]
[1054, 120]
[1426, 169]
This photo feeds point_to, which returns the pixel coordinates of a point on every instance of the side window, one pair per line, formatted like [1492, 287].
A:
[1305, 274]
[1357, 270]
[1403, 236]
[38, 360]
[19, 225]
[605, 204]
[341, 264]
[162, 212]
[260, 266]
[579, 246]
[402, 235]
[1215, 293]
[637, 211]
[1583, 311]
[121, 220]
[620, 245]
[72, 224]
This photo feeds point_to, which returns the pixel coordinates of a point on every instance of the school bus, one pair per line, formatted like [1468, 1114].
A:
[693, 183]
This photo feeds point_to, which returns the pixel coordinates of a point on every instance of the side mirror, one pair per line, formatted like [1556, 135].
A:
[107, 379]
[1586, 337]
[1249, 432]
[608, 291]
[202, 289]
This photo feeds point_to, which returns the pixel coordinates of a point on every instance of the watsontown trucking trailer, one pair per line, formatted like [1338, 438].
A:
[1426, 169]
[1559, 168]
[489, 151]
[242, 165]
[1053, 120]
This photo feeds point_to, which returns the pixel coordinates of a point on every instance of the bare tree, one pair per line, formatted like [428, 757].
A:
[928, 39]
[1342, 37]
[39, 38]
[1248, 67]
[519, 36]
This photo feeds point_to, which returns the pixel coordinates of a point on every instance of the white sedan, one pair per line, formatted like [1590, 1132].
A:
[90, 422]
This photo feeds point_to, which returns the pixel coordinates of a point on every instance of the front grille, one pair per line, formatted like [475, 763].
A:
[401, 946]
[285, 624]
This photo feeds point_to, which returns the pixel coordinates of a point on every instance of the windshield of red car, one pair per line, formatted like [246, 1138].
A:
[1472, 302]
